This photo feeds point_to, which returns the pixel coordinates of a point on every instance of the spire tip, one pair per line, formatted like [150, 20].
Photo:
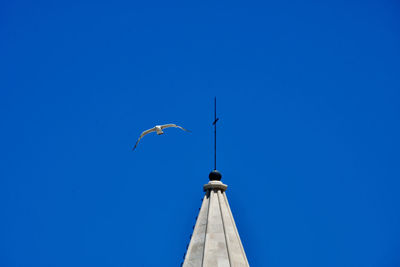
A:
[215, 176]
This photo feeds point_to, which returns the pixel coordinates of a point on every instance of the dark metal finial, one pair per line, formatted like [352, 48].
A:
[215, 175]
[215, 133]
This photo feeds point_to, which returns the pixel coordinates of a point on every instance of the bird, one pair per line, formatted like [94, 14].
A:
[159, 130]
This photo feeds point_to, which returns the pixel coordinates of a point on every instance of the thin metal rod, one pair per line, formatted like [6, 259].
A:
[215, 133]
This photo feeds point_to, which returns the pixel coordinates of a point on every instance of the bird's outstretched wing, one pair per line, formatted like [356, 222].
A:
[173, 125]
[143, 134]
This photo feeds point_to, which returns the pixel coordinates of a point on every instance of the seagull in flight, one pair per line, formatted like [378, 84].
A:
[158, 129]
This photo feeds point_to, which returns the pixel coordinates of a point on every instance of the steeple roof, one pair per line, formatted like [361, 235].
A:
[215, 240]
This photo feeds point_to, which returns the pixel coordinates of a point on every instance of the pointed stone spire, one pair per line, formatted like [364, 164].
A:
[215, 240]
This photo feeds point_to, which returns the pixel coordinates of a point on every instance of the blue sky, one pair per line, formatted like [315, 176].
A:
[308, 96]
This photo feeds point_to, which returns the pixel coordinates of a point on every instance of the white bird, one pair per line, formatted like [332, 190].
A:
[158, 129]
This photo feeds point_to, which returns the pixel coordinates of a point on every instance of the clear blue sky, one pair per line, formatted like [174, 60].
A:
[309, 146]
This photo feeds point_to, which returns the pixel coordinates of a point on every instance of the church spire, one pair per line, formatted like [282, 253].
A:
[215, 240]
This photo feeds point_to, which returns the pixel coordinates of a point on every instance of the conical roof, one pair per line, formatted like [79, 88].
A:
[215, 240]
